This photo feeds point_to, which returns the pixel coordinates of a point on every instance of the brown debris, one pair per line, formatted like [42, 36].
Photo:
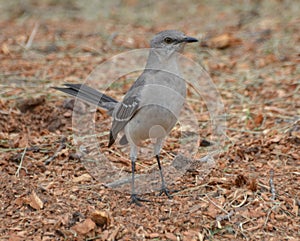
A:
[171, 236]
[34, 201]
[85, 227]
[28, 104]
[83, 178]
[222, 41]
[101, 218]
[240, 180]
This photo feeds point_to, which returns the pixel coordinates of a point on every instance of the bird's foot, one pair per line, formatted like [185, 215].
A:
[166, 191]
[137, 200]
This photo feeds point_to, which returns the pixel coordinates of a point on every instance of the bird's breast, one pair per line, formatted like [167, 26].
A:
[161, 101]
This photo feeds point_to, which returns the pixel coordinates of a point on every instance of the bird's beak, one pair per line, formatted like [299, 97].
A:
[188, 39]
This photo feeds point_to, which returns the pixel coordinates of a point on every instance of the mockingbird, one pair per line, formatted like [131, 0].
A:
[151, 107]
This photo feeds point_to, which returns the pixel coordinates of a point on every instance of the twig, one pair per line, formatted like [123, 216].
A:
[93, 238]
[216, 205]
[264, 186]
[61, 146]
[240, 225]
[9, 149]
[241, 203]
[21, 163]
[32, 35]
[268, 215]
[272, 187]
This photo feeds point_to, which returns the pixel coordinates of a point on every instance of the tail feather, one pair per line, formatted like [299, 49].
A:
[89, 94]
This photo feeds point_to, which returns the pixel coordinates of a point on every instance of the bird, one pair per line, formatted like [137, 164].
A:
[151, 107]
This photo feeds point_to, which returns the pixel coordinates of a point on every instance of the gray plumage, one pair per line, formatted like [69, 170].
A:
[151, 106]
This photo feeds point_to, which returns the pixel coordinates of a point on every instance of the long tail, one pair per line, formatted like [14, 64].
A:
[90, 95]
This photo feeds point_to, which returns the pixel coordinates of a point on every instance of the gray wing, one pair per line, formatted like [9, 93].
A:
[126, 109]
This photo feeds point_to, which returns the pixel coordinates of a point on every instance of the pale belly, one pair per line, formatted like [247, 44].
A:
[159, 123]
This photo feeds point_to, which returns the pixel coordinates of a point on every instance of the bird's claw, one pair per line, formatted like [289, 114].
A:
[166, 191]
[137, 200]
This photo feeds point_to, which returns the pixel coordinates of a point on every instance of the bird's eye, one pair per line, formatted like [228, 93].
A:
[168, 40]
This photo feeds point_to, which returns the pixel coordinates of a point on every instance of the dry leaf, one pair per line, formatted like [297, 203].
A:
[212, 211]
[83, 178]
[171, 236]
[223, 41]
[84, 227]
[258, 119]
[240, 180]
[34, 201]
[153, 235]
[19, 201]
[5, 49]
[276, 138]
[101, 218]
[253, 185]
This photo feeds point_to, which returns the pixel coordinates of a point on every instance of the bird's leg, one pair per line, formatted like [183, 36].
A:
[163, 189]
[157, 148]
[134, 198]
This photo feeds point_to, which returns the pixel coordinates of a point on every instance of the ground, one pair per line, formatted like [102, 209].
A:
[248, 191]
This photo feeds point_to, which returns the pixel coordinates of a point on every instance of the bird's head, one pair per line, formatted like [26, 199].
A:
[171, 41]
